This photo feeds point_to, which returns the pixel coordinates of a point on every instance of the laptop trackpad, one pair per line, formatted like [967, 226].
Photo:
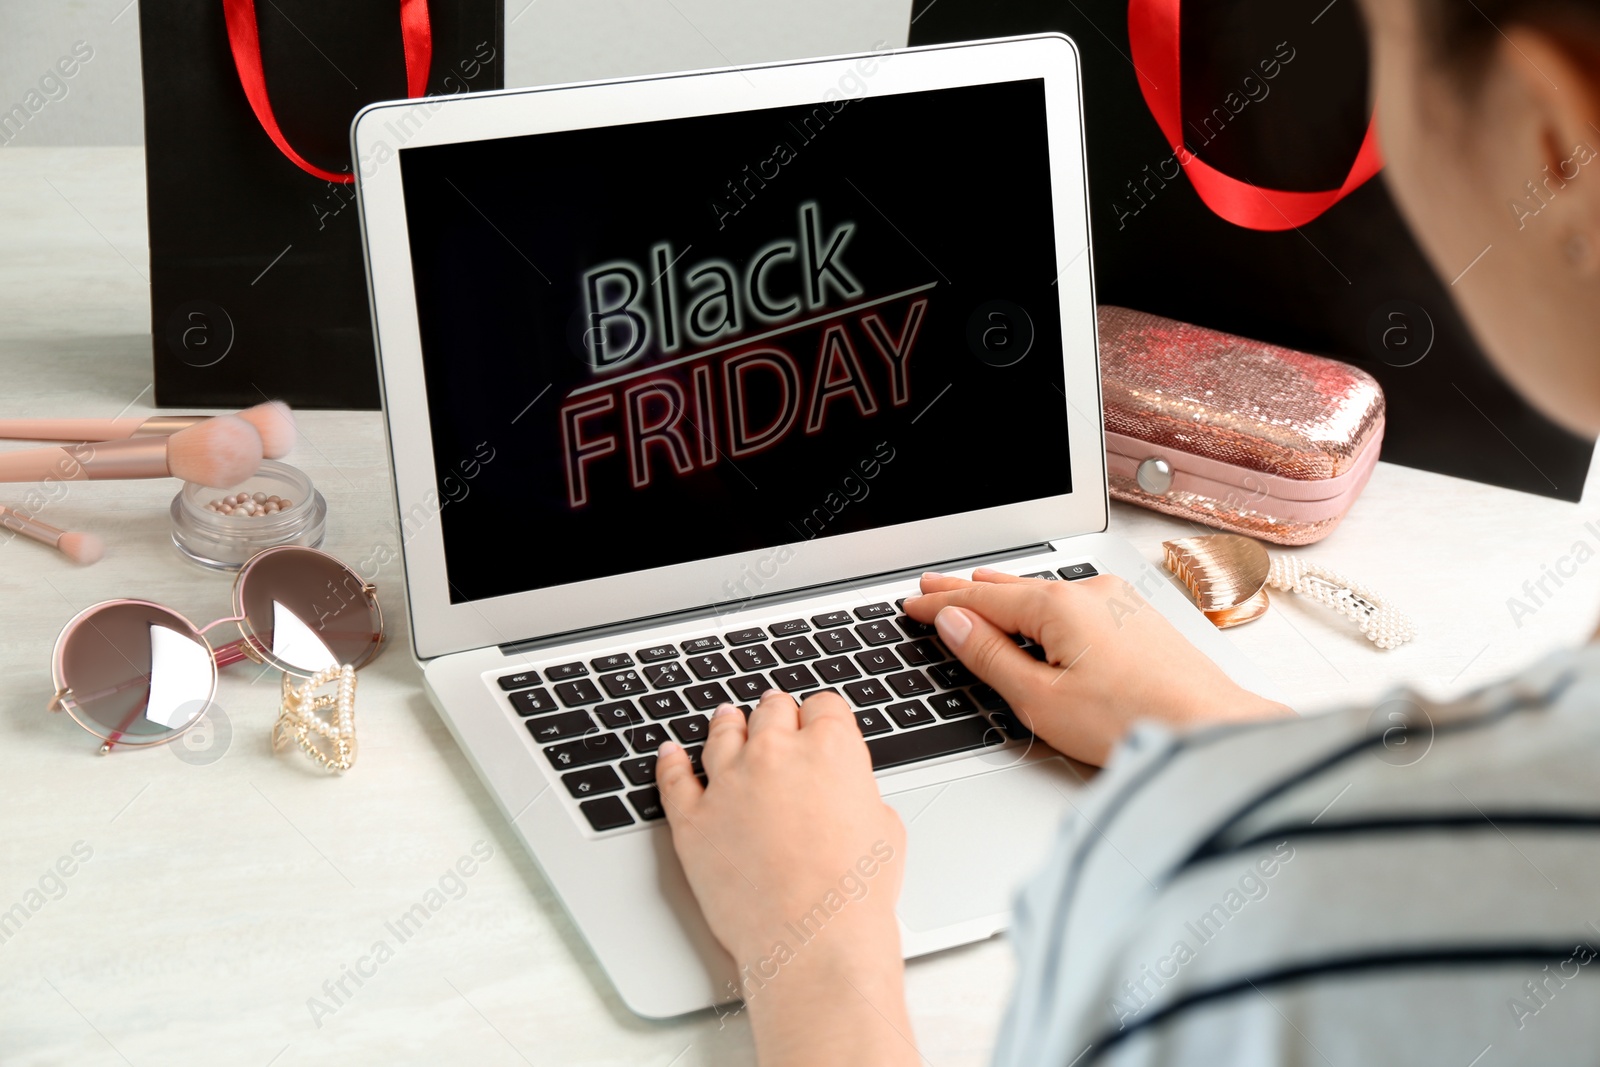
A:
[971, 843]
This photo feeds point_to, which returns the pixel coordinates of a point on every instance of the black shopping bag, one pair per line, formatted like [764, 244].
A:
[1232, 164]
[257, 285]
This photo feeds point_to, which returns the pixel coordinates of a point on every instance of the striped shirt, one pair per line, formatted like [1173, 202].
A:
[1412, 883]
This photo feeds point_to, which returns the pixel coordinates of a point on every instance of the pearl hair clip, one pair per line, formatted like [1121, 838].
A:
[1228, 576]
[299, 724]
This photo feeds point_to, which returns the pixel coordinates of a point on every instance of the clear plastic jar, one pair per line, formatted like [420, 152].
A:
[226, 542]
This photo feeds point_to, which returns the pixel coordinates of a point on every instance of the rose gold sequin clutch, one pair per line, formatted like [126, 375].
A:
[1237, 434]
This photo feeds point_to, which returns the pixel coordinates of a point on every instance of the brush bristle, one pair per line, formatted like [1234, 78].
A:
[222, 451]
[275, 423]
[81, 548]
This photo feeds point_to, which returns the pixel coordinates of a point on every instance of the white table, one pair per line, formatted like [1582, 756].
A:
[219, 898]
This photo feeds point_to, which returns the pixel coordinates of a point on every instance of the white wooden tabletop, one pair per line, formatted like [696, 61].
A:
[214, 891]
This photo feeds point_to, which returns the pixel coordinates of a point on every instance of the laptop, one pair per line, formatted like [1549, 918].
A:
[688, 378]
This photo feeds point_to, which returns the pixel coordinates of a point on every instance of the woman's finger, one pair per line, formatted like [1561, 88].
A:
[1015, 607]
[675, 778]
[990, 654]
[724, 738]
[776, 710]
[824, 706]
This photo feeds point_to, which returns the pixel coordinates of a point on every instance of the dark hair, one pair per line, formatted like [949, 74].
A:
[1463, 31]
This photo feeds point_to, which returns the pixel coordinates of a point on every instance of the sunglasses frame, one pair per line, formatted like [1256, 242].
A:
[247, 647]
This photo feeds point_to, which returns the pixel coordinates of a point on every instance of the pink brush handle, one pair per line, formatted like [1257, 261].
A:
[140, 457]
[94, 429]
[41, 532]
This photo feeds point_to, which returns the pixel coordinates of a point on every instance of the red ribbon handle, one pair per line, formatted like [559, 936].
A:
[244, 36]
[1154, 34]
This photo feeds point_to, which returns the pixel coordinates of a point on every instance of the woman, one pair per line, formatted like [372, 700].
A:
[1283, 891]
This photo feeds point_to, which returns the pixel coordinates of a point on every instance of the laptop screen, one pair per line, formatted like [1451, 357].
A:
[662, 342]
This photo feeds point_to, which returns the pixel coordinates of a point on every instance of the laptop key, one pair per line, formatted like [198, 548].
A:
[622, 683]
[746, 637]
[592, 782]
[920, 653]
[520, 680]
[706, 668]
[874, 611]
[878, 661]
[790, 628]
[565, 671]
[948, 738]
[872, 723]
[656, 653]
[754, 658]
[1049, 576]
[612, 663]
[1008, 721]
[869, 692]
[1077, 570]
[641, 771]
[910, 683]
[567, 724]
[879, 632]
[989, 699]
[830, 620]
[910, 714]
[618, 713]
[700, 644]
[706, 697]
[750, 687]
[578, 693]
[663, 705]
[599, 747]
[794, 679]
[647, 802]
[691, 728]
[953, 705]
[646, 739]
[667, 675]
[533, 702]
[912, 628]
[837, 641]
[952, 675]
[837, 670]
[606, 813]
[695, 761]
[795, 649]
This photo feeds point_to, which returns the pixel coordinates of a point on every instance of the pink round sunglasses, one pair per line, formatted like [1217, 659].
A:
[137, 673]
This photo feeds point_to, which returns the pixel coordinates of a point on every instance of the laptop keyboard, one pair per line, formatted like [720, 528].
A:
[598, 722]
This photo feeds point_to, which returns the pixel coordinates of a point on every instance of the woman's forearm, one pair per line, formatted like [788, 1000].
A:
[835, 1005]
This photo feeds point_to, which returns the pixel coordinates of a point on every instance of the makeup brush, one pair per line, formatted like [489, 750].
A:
[81, 548]
[223, 451]
[272, 420]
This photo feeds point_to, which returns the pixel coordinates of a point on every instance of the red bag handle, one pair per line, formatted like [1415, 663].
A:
[245, 39]
[1153, 33]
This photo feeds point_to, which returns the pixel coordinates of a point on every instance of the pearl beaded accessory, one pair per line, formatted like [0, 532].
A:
[298, 722]
[249, 505]
[1384, 626]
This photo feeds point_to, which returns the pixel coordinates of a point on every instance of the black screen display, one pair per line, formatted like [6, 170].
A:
[655, 343]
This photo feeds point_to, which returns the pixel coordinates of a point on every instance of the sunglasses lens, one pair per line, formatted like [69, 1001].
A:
[310, 611]
[138, 673]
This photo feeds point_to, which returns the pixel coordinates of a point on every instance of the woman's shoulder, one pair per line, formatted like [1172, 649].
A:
[1377, 837]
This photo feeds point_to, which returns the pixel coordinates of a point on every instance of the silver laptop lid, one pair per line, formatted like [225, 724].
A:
[663, 343]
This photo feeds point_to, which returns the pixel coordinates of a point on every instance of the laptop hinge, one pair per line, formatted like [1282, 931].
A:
[735, 607]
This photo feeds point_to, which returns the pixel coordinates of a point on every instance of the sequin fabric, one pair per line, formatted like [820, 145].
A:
[1252, 405]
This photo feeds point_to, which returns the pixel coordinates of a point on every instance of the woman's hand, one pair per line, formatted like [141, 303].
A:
[796, 862]
[1111, 659]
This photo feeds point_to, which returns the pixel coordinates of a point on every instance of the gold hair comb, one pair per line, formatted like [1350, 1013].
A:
[1228, 577]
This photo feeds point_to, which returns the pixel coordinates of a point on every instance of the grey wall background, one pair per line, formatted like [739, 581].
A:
[546, 41]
